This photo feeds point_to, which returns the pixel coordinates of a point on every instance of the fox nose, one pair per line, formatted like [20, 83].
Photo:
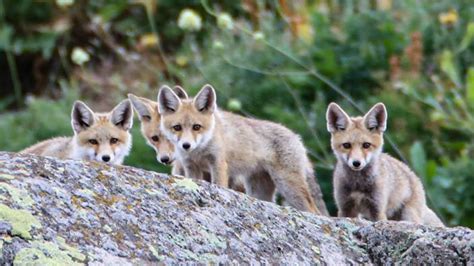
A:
[105, 158]
[356, 163]
[186, 145]
[165, 159]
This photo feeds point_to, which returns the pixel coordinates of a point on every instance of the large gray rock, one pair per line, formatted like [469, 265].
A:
[67, 212]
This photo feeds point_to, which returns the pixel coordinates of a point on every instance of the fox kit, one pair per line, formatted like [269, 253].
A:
[102, 137]
[150, 119]
[367, 181]
[150, 127]
[268, 156]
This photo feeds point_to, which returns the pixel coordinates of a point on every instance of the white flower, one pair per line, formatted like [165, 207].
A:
[79, 56]
[224, 21]
[189, 20]
[234, 105]
[217, 45]
[258, 35]
[64, 3]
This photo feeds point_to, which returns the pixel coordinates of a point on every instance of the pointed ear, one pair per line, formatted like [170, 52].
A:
[180, 92]
[336, 118]
[122, 115]
[376, 118]
[168, 101]
[141, 106]
[82, 117]
[205, 100]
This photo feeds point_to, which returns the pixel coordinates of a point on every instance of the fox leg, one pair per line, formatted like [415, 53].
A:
[291, 183]
[376, 208]
[347, 208]
[412, 214]
[219, 173]
[192, 171]
[177, 169]
[260, 186]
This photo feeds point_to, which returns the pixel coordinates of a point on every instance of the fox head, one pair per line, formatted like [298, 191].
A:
[356, 141]
[150, 119]
[188, 123]
[102, 137]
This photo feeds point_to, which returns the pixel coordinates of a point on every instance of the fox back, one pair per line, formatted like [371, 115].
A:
[368, 182]
[101, 137]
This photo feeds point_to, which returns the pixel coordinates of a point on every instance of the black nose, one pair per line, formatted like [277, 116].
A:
[186, 145]
[165, 159]
[105, 158]
[356, 163]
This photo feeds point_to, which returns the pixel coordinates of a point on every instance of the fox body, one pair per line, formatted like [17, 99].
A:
[102, 137]
[267, 155]
[150, 120]
[368, 182]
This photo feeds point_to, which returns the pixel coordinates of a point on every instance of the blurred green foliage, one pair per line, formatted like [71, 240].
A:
[283, 61]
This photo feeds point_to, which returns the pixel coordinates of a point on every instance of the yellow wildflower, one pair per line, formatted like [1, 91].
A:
[148, 40]
[449, 18]
[182, 60]
[305, 32]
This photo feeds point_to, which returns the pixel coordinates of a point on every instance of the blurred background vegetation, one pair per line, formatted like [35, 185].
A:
[277, 60]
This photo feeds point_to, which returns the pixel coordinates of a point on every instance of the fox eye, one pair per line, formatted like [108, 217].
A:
[93, 141]
[346, 145]
[366, 145]
[155, 138]
[177, 128]
[113, 140]
[196, 127]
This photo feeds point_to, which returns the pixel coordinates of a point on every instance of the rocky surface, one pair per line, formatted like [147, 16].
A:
[72, 212]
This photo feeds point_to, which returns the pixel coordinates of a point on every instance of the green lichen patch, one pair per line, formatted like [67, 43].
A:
[6, 177]
[21, 221]
[107, 229]
[186, 183]
[215, 240]
[87, 192]
[155, 253]
[71, 251]
[49, 253]
[18, 196]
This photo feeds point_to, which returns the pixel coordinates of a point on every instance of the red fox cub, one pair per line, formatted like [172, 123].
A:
[102, 137]
[150, 119]
[368, 182]
[267, 155]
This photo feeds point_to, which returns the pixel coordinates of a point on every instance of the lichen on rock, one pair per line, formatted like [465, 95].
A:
[68, 212]
[21, 221]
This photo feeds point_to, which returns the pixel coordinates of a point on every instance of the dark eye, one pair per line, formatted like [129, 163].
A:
[196, 127]
[346, 145]
[113, 140]
[177, 128]
[155, 138]
[93, 141]
[366, 145]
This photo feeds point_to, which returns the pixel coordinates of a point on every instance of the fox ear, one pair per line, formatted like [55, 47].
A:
[82, 117]
[205, 100]
[336, 118]
[180, 92]
[141, 106]
[376, 118]
[168, 101]
[122, 115]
